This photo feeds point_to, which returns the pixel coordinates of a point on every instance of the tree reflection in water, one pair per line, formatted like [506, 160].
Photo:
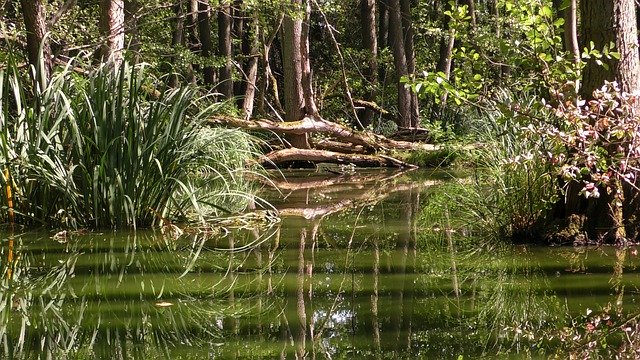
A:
[376, 266]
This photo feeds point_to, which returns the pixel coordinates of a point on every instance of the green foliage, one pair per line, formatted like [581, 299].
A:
[96, 151]
[511, 188]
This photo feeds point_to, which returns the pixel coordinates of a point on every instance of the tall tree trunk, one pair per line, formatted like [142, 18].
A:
[239, 31]
[571, 30]
[206, 44]
[177, 39]
[606, 21]
[370, 44]
[112, 28]
[34, 21]
[251, 69]
[225, 84]
[396, 36]
[445, 58]
[407, 26]
[307, 77]
[193, 39]
[383, 20]
[294, 104]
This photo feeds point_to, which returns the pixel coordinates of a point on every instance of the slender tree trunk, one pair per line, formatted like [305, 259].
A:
[370, 44]
[383, 20]
[446, 53]
[251, 70]
[396, 37]
[239, 31]
[112, 28]
[571, 30]
[294, 104]
[307, 75]
[407, 26]
[34, 21]
[177, 39]
[206, 44]
[225, 85]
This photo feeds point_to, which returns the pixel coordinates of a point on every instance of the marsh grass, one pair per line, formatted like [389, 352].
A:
[511, 189]
[102, 150]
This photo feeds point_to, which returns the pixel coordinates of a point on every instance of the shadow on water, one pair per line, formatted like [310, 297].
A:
[361, 265]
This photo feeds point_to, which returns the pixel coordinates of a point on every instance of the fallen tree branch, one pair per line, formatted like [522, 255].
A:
[313, 155]
[308, 125]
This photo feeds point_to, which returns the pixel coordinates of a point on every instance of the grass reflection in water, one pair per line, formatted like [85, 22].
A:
[373, 267]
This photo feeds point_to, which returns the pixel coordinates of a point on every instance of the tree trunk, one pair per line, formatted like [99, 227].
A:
[225, 84]
[396, 36]
[307, 77]
[112, 28]
[445, 59]
[571, 30]
[370, 44]
[294, 104]
[206, 44]
[606, 21]
[177, 40]
[407, 26]
[251, 69]
[34, 21]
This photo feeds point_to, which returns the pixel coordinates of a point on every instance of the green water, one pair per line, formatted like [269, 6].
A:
[352, 271]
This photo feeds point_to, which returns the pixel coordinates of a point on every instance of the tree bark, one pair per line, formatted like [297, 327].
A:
[34, 21]
[407, 27]
[294, 97]
[225, 83]
[112, 28]
[370, 45]
[396, 36]
[206, 44]
[307, 74]
[571, 30]
[177, 40]
[606, 21]
[251, 69]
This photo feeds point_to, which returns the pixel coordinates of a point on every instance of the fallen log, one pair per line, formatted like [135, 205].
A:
[310, 125]
[324, 156]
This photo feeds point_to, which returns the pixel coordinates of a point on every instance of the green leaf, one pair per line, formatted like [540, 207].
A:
[546, 11]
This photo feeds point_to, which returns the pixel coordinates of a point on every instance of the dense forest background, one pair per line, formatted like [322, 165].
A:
[550, 84]
[349, 59]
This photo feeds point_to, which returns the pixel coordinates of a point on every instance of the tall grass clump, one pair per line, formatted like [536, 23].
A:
[105, 150]
[512, 187]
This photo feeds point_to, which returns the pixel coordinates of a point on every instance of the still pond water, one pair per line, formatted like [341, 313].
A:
[353, 270]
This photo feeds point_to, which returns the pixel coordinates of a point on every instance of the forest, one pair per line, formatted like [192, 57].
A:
[398, 83]
[319, 178]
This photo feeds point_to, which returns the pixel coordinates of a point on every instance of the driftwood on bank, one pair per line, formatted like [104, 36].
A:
[309, 125]
[325, 156]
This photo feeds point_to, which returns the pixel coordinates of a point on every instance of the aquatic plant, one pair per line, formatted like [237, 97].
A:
[107, 149]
